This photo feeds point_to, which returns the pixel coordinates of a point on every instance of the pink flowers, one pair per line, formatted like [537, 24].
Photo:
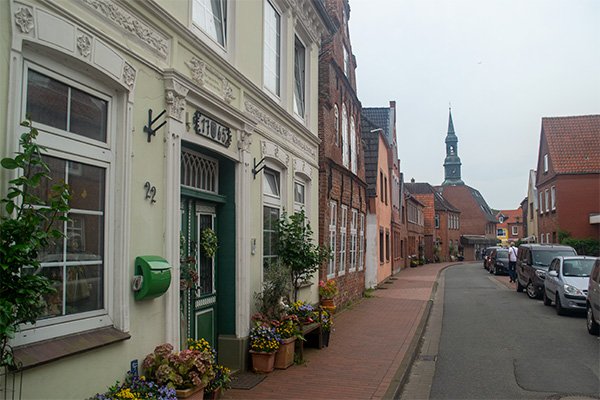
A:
[328, 289]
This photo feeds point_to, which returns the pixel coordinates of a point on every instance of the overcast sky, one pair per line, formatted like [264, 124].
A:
[502, 64]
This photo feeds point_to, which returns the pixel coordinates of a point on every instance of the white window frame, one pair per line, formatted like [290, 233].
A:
[342, 246]
[299, 205]
[353, 157]
[553, 197]
[437, 221]
[272, 51]
[299, 77]
[541, 238]
[336, 120]
[332, 239]
[548, 237]
[361, 238]
[76, 148]
[346, 62]
[206, 27]
[270, 200]
[515, 230]
[353, 239]
[547, 200]
[541, 203]
[545, 162]
[345, 155]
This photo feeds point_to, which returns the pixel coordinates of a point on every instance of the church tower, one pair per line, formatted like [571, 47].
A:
[452, 162]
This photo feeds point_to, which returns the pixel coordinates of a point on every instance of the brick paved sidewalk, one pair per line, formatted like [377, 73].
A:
[366, 354]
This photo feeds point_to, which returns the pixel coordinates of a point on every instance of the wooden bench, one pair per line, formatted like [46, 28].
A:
[312, 328]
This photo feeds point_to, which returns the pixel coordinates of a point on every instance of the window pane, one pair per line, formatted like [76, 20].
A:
[84, 289]
[88, 115]
[271, 183]
[47, 100]
[298, 193]
[86, 184]
[299, 62]
[272, 44]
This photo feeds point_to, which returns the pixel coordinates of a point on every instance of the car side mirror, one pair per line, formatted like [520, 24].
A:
[553, 274]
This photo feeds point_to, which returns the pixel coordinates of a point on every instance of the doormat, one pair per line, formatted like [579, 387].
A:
[246, 380]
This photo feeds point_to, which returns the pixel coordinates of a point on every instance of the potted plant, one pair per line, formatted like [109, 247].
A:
[220, 383]
[288, 330]
[296, 249]
[326, 327]
[134, 387]
[264, 343]
[328, 289]
[304, 311]
[187, 371]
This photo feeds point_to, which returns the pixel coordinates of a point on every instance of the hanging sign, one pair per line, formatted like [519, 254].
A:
[208, 127]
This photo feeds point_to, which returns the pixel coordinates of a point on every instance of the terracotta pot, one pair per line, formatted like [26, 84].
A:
[263, 362]
[185, 393]
[285, 355]
[329, 305]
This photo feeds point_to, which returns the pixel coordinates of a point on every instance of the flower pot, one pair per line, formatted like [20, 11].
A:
[325, 336]
[285, 355]
[213, 394]
[263, 362]
[329, 305]
[185, 393]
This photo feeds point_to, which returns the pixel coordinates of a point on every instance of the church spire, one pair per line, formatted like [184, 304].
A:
[452, 162]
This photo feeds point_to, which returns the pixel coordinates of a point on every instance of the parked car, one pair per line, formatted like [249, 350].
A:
[532, 264]
[566, 282]
[592, 302]
[499, 261]
[486, 256]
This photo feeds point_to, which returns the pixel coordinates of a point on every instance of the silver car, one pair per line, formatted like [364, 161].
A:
[593, 301]
[566, 282]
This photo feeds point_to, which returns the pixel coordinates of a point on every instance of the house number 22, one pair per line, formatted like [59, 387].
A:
[150, 192]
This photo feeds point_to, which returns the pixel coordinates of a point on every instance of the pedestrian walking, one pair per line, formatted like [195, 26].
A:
[512, 262]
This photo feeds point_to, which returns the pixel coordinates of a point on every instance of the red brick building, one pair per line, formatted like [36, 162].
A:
[568, 177]
[442, 222]
[342, 186]
[415, 226]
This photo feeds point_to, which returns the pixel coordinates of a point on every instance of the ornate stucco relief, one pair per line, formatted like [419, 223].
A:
[273, 125]
[175, 95]
[24, 19]
[301, 166]
[271, 150]
[208, 77]
[308, 19]
[131, 24]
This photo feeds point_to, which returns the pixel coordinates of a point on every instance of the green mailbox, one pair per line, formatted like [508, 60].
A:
[153, 277]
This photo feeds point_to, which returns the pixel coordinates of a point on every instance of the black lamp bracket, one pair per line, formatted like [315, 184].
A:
[256, 171]
[149, 129]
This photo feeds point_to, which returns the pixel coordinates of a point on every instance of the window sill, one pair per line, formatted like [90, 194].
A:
[48, 351]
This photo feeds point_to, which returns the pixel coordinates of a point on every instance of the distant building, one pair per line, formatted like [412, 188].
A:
[442, 221]
[531, 211]
[342, 189]
[379, 211]
[477, 221]
[510, 225]
[568, 177]
[415, 225]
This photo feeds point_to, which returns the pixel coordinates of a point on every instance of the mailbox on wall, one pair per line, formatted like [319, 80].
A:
[152, 277]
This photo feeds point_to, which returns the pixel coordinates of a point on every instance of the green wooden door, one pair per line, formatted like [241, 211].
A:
[199, 303]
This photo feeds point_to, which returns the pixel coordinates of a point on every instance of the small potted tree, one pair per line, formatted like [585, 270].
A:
[297, 250]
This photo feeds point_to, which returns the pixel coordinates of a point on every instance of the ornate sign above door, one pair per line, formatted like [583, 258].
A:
[207, 127]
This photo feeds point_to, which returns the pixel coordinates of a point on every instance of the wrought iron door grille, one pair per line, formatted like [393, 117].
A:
[199, 172]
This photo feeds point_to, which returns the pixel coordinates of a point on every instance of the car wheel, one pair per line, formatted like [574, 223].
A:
[519, 287]
[559, 308]
[547, 301]
[592, 327]
[531, 292]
